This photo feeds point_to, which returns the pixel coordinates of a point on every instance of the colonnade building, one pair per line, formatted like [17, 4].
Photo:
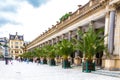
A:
[99, 13]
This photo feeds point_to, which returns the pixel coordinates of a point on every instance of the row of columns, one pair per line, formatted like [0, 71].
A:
[69, 36]
[109, 29]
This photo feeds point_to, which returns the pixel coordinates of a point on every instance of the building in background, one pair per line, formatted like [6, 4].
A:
[3, 45]
[1, 51]
[25, 47]
[16, 44]
[3, 40]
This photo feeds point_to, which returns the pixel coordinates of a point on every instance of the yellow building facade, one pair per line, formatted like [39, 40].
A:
[16, 44]
[99, 13]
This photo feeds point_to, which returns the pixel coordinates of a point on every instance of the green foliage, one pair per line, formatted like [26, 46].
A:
[5, 45]
[31, 54]
[64, 17]
[1, 56]
[91, 42]
[0, 44]
[64, 48]
[43, 52]
[49, 51]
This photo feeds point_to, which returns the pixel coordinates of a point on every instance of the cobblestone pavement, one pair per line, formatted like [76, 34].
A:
[33, 71]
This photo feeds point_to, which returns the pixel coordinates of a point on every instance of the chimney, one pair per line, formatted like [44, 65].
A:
[16, 33]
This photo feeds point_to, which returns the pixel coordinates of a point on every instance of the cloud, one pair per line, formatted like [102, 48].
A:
[4, 21]
[36, 3]
[9, 8]
[32, 20]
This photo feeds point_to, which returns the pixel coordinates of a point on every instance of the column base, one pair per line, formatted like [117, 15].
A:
[77, 61]
[112, 64]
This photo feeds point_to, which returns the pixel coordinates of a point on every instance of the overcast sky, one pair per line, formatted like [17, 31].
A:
[32, 17]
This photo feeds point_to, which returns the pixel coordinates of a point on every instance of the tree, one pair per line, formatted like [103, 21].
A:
[65, 49]
[90, 42]
[50, 51]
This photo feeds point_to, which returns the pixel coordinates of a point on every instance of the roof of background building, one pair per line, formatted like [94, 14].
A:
[16, 37]
[3, 39]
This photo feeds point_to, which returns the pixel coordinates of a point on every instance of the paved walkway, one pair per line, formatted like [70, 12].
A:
[33, 71]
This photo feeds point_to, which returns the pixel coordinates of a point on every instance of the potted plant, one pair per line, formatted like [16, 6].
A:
[65, 49]
[90, 43]
[37, 55]
[64, 17]
[42, 55]
[50, 53]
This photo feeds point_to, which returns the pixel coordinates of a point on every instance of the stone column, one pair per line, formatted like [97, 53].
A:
[70, 35]
[110, 63]
[111, 32]
[40, 45]
[91, 24]
[48, 42]
[107, 17]
[106, 28]
[43, 44]
[52, 41]
[63, 35]
[57, 39]
[78, 37]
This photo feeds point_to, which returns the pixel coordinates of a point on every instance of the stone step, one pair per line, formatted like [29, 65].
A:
[108, 73]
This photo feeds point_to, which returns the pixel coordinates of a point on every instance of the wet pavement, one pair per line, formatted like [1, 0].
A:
[32, 71]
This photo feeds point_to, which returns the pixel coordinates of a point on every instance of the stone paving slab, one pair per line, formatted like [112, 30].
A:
[33, 71]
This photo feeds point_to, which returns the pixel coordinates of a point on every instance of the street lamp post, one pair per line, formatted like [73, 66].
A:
[6, 54]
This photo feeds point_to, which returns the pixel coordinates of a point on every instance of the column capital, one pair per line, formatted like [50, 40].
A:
[70, 31]
[57, 36]
[63, 35]
[91, 23]
[79, 28]
[112, 7]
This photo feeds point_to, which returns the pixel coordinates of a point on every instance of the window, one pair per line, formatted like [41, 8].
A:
[16, 42]
[11, 51]
[12, 46]
[16, 47]
[16, 52]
